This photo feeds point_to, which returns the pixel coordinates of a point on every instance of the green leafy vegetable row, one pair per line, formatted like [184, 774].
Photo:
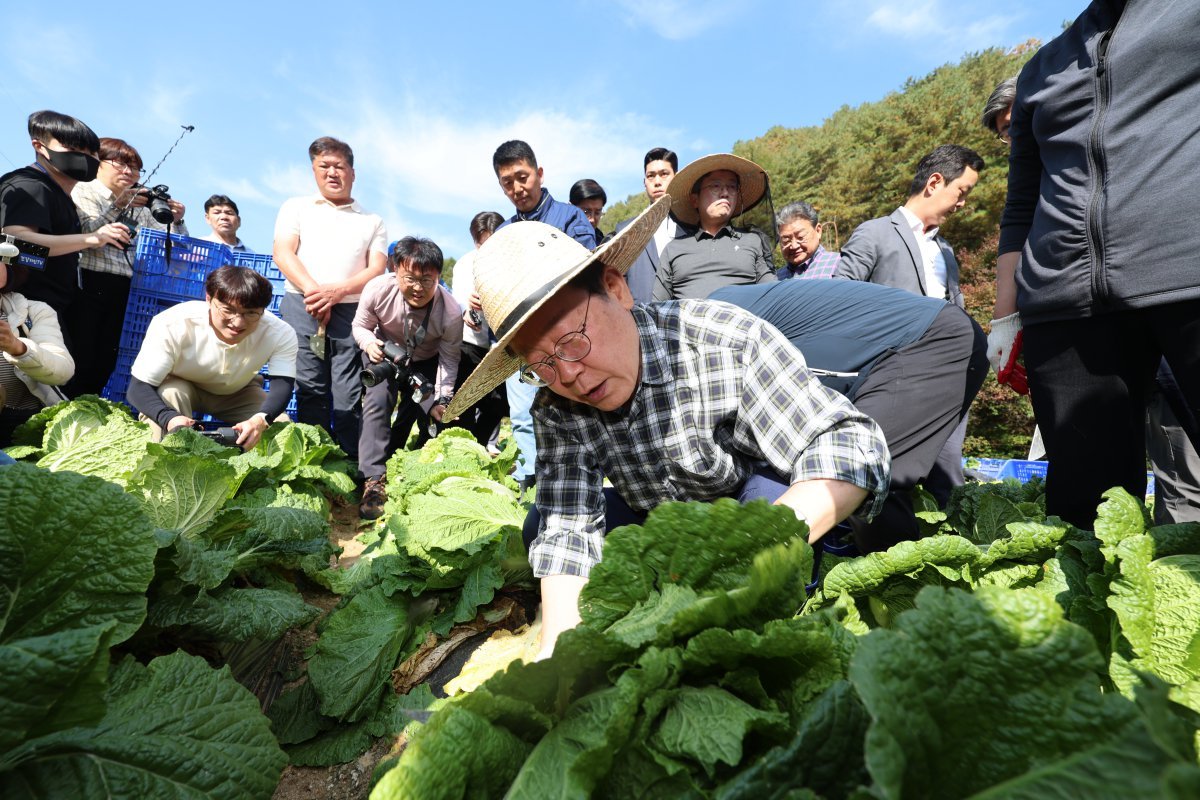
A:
[449, 540]
[1022, 658]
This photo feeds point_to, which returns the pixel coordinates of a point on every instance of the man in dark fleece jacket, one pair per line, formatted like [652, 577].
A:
[1099, 246]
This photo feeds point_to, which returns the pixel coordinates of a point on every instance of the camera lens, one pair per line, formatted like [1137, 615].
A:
[377, 374]
[161, 211]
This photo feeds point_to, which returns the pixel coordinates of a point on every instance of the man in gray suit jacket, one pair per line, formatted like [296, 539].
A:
[906, 251]
[660, 166]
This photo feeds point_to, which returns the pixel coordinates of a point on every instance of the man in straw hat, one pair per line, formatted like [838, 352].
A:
[672, 401]
[706, 195]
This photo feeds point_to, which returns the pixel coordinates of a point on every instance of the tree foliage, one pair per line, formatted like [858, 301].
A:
[857, 165]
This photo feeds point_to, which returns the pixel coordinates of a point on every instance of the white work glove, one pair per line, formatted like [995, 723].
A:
[1000, 340]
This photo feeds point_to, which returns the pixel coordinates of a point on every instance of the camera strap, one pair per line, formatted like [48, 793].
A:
[415, 336]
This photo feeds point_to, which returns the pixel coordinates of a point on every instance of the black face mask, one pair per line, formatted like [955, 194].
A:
[78, 166]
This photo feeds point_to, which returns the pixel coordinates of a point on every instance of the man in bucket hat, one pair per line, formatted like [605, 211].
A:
[706, 195]
[671, 401]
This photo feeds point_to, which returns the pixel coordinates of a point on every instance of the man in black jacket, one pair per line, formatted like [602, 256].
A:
[1098, 242]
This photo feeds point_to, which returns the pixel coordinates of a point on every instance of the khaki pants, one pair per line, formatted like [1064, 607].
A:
[188, 399]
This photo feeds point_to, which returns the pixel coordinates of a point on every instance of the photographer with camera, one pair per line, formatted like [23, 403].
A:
[206, 355]
[410, 330]
[94, 320]
[36, 206]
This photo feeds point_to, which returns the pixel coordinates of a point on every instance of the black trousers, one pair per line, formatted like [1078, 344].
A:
[1088, 380]
[482, 418]
[328, 390]
[380, 436]
[919, 395]
[93, 324]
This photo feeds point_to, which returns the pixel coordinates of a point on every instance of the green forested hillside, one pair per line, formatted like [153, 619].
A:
[857, 165]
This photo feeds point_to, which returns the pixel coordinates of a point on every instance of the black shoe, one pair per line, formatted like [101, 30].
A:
[374, 497]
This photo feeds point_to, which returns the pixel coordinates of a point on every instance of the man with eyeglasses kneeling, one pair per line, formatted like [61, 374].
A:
[414, 324]
[688, 400]
[206, 356]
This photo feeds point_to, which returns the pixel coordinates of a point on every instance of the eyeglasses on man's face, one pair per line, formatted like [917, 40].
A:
[573, 346]
[230, 314]
[412, 281]
[121, 166]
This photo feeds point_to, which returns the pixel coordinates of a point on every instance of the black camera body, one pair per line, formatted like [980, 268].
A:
[396, 367]
[224, 436]
[156, 201]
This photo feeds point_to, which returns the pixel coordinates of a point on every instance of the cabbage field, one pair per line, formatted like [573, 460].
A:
[1003, 655]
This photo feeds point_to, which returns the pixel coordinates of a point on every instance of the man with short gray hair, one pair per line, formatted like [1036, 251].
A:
[800, 242]
[997, 114]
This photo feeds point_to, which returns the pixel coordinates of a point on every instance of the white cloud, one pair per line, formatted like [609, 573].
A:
[282, 182]
[679, 19]
[246, 191]
[166, 107]
[428, 173]
[954, 27]
[907, 20]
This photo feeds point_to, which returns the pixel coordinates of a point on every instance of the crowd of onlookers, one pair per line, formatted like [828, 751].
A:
[1095, 310]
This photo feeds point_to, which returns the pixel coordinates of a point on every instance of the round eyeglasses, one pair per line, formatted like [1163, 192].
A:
[573, 346]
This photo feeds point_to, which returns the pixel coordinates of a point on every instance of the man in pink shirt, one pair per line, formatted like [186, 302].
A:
[410, 330]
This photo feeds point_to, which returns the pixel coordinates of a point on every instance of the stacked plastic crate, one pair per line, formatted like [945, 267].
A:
[159, 283]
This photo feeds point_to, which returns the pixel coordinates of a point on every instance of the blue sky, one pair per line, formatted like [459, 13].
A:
[424, 92]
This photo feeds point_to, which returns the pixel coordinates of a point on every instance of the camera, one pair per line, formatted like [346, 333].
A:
[156, 201]
[225, 436]
[396, 366]
[475, 316]
[25, 253]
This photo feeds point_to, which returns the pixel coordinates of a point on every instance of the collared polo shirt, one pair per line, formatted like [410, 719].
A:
[181, 342]
[334, 240]
[695, 266]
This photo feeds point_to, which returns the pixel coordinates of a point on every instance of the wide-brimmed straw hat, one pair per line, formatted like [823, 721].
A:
[751, 177]
[523, 265]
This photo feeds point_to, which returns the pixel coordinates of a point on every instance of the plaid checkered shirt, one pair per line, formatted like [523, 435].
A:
[94, 201]
[821, 264]
[720, 393]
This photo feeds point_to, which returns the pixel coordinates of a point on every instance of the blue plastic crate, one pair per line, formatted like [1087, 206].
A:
[1024, 471]
[138, 312]
[118, 382]
[264, 265]
[988, 468]
[183, 276]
